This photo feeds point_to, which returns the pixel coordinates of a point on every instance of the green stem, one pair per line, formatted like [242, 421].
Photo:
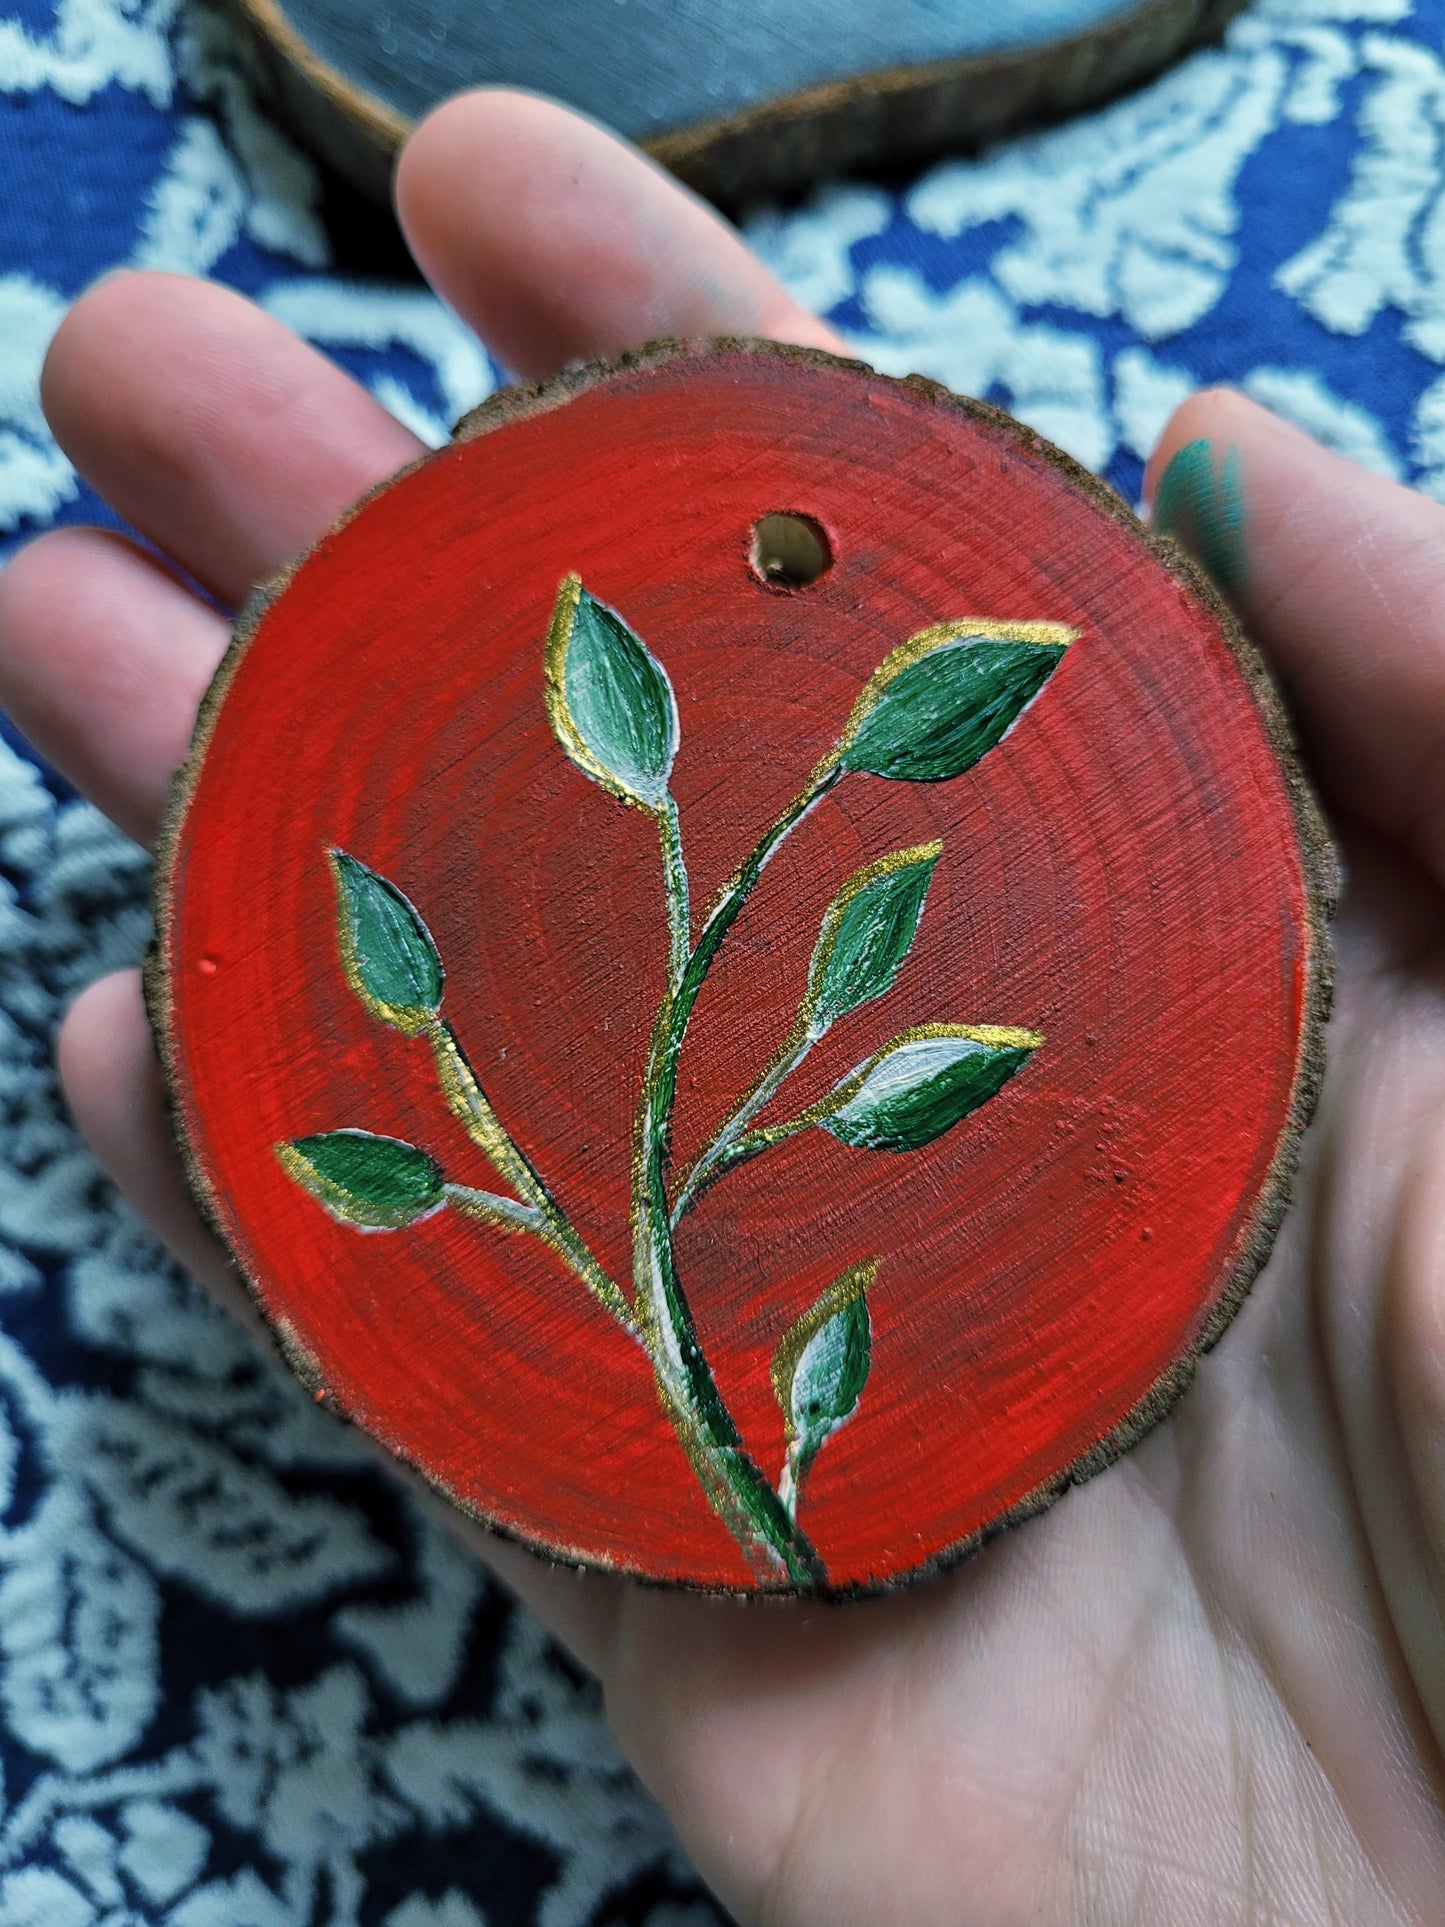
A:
[507, 1213]
[469, 1103]
[742, 1152]
[679, 909]
[795, 1047]
[738, 1489]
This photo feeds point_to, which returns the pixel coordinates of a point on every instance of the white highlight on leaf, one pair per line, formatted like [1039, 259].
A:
[904, 1069]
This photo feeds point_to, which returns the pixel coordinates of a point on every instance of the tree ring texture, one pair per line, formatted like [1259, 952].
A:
[750, 1079]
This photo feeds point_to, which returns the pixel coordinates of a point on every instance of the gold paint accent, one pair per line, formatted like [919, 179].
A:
[763, 1560]
[1043, 635]
[854, 1284]
[801, 1036]
[996, 1036]
[506, 1214]
[409, 1019]
[469, 1104]
[999, 1036]
[860, 880]
[554, 670]
[803, 804]
[334, 1198]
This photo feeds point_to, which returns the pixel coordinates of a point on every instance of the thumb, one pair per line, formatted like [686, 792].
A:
[1339, 576]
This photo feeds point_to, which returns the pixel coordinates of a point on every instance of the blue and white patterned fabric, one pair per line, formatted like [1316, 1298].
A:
[243, 1682]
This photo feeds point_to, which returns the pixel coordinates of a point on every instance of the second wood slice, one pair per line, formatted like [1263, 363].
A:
[740, 965]
[735, 100]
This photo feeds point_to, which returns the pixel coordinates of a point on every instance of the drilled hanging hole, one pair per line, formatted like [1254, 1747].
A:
[789, 551]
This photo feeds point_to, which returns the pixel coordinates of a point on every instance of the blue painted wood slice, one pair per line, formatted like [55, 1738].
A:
[736, 100]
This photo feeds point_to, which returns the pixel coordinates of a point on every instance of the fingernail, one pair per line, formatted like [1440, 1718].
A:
[1200, 502]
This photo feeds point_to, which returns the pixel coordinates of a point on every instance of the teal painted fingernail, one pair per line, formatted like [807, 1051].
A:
[1200, 502]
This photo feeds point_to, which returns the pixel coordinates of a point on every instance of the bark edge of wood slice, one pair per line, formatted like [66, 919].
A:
[896, 116]
[191, 972]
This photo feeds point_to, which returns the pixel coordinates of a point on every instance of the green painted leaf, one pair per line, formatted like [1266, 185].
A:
[868, 932]
[922, 1084]
[821, 1366]
[609, 699]
[386, 950]
[943, 700]
[378, 1183]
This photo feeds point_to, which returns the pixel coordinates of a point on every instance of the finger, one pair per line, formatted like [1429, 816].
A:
[1339, 575]
[103, 659]
[210, 427]
[232, 445]
[580, 1608]
[1398, 1443]
[114, 1087]
[556, 240]
[665, 265]
[116, 1093]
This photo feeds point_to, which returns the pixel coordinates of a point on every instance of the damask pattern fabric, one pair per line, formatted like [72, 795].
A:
[243, 1681]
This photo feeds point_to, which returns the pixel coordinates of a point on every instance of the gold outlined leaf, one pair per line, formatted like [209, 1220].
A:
[922, 1083]
[376, 1183]
[940, 701]
[386, 950]
[609, 699]
[868, 931]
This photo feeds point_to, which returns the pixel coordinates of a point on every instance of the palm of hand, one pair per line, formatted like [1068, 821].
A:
[1208, 1686]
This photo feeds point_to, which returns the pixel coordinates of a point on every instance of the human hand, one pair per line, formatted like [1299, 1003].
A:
[1208, 1686]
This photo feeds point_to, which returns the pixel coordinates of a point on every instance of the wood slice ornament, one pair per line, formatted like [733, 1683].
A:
[741, 961]
[736, 101]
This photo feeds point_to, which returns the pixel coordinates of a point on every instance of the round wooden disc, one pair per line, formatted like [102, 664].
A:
[736, 101]
[1134, 874]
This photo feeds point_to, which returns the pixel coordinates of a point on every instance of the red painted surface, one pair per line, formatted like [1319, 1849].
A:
[1122, 873]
